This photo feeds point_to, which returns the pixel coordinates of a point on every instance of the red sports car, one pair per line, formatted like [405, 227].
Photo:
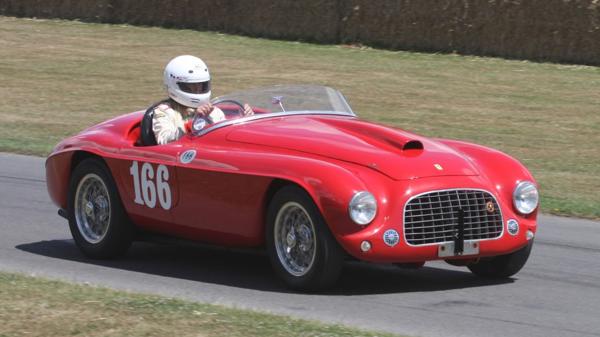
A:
[304, 178]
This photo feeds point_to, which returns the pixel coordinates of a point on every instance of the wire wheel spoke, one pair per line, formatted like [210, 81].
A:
[295, 239]
[92, 208]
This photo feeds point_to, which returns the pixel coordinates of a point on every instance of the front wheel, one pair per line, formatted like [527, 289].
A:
[502, 266]
[97, 220]
[301, 248]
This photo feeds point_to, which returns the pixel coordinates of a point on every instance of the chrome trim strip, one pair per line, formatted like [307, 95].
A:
[270, 115]
[449, 190]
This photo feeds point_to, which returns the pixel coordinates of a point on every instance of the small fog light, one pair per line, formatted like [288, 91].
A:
[365, 246]
[529, 235]
[391, 237]
[513, 227]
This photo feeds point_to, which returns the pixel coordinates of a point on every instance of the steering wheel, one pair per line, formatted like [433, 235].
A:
[240, 112]
[200, 122]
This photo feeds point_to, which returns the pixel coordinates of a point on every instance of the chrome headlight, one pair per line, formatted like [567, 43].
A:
[526, 197]
[362, 207]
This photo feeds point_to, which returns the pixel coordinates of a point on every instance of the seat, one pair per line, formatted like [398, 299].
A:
[147, 135]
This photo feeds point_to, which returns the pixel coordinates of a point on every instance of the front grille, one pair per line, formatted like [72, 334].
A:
[433, 217]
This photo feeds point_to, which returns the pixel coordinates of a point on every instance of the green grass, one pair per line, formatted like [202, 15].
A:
[61, 76]
[39, 307]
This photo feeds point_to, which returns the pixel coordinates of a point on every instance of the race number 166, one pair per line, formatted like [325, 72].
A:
[147, 188]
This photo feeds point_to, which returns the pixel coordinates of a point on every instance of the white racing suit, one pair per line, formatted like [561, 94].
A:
[168, 124]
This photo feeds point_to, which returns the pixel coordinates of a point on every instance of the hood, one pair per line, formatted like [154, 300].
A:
[398, 154]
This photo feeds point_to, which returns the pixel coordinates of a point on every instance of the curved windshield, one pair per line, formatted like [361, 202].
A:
[276, 101]
[290, 98]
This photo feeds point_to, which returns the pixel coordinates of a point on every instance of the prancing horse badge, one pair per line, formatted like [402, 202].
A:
[489, 206]
[438, 167]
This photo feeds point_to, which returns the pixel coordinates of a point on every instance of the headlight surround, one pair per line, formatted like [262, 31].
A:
[362, 208]
[526, 197]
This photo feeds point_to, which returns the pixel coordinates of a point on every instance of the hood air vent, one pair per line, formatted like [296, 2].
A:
[413, 145]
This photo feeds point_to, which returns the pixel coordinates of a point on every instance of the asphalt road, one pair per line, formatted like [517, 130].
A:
[556, 294]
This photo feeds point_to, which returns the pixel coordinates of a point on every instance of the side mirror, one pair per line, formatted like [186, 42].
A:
[278, 100]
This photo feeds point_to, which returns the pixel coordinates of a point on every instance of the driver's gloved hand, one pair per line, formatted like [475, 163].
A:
[211, 113]
[205, 110]
[248, 110]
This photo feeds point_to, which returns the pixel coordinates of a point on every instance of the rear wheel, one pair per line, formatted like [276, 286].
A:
[97, 220]
[301, 248]
[502, 266]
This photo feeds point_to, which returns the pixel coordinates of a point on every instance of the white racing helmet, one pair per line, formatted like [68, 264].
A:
[187, 81]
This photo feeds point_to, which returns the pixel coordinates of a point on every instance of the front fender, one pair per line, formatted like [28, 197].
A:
[332, 185]
[504, 171]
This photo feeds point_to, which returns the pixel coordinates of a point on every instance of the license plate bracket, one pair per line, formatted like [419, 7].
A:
[447, 249]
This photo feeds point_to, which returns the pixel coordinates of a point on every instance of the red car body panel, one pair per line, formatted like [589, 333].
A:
[221, 197]
[359, 142]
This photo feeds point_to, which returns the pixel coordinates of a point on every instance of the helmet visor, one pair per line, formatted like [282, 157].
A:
[194, 88]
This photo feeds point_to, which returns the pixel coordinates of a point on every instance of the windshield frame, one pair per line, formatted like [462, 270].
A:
[331, 92]
[270, 115]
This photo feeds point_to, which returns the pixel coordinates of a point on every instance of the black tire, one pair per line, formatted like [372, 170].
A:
[118, 234]
[502, 266]
[328, 255]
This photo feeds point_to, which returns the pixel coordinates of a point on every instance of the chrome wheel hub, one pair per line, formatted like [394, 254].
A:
[92, 208]
[291, 239]
[102, 205]
[295, 239]
[306, 238]
[89, 209]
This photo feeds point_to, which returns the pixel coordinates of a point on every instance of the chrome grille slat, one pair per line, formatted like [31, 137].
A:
[449, 237]
[432, 217]
[466, 218]
[449, 230]
[438, 208]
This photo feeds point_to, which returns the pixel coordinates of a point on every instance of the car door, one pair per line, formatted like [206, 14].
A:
[220, 201]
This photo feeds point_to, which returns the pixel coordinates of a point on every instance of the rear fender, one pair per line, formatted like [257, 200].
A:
[58, 174]
[60, 165]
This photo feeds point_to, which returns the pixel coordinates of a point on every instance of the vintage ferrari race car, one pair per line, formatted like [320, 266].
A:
[303, 178]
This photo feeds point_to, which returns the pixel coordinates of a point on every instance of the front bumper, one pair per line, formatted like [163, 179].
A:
[404, 253]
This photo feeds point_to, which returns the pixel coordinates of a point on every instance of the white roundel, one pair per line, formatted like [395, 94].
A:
[391, 237]
[187, 157]
[513, 227]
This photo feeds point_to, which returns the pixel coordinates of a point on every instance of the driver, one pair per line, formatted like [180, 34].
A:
[187, 81]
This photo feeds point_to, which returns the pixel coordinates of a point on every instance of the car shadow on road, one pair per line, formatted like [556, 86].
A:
[252, 270]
